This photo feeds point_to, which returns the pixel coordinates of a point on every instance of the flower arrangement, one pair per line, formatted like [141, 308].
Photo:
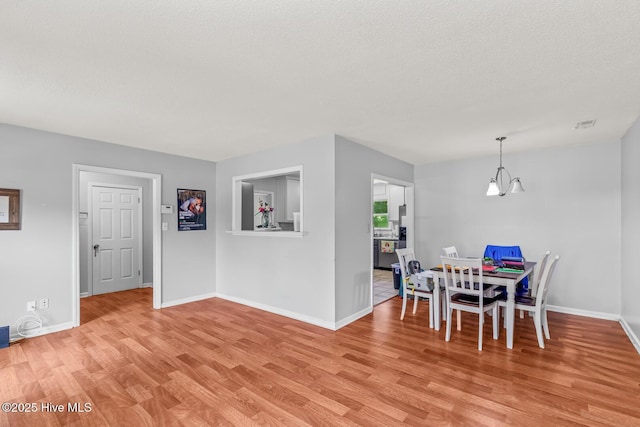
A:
[265, 210]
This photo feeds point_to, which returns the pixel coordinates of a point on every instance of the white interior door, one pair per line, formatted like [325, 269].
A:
[115, 239]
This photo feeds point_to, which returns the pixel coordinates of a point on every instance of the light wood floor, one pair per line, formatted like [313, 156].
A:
[218, 363]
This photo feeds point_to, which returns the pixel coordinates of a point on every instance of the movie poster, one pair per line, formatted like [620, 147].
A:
[192, 212]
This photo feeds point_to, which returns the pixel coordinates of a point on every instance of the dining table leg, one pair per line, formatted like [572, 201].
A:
[511, 310]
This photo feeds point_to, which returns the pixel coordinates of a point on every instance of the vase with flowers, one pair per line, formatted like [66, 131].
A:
[265, 210]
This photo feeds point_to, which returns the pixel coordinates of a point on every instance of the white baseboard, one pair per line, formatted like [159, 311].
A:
[147, 285]
[585, 313]
[598, 315]
[632, 336]
[350, 319]
[281, 312]
[84, 294]
[46, 330]
[188, 300]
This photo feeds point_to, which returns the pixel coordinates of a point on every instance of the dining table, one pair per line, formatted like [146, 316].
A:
[499, 277]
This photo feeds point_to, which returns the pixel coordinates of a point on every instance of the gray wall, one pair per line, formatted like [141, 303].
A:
[354, 166]
[36, 262]
[572, 207]
[293, 276]
[631, 228]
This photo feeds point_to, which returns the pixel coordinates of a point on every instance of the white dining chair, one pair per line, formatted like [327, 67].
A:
[451, 251]
[467, 292]
[417, 290]
[538, 304]
[533, 290]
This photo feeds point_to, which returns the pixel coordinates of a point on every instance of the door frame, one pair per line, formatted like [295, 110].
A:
[409, 189]
[156, 192]
[93, 184]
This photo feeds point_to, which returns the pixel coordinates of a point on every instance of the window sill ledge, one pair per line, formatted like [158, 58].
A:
[274, 233]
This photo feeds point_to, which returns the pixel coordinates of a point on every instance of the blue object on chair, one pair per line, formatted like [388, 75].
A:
[498, 252]
[4, 336]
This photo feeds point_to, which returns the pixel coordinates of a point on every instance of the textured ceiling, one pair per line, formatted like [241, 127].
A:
[420, 80]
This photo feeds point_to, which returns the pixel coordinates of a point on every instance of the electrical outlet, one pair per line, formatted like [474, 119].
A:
[31, 306]
[43, 303]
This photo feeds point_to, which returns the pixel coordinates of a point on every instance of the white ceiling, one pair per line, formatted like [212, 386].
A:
[421, 80]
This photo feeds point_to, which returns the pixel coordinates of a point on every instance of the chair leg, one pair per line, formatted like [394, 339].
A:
[522, 314]
[496, 322]
[431, 313]
[459, 320]
[415, 303]
[444, 307]
[449, 315]
[404, 304]
[545, 323]
[480, 324]
[538, 323]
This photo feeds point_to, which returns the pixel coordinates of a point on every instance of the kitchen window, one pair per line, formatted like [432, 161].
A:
[381, 214]
[268, 201]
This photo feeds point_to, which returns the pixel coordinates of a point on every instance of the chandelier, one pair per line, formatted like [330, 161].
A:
[502, 183]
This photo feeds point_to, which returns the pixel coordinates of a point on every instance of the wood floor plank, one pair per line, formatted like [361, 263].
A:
[214, 362]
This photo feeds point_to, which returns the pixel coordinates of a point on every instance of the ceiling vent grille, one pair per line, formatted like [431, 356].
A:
[585, 124]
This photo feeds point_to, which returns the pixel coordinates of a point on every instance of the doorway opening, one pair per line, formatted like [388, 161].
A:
[392, 219]
[153, 184]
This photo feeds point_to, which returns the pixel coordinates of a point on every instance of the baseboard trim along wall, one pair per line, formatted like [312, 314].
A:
[281, 312]
[350, 319]
[597, 315]
[46, 330]
[632, 336]
[584, 313]
[188, 300]
[147, 285]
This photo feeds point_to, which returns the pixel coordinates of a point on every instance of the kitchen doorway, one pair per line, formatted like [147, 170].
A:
[392, 219]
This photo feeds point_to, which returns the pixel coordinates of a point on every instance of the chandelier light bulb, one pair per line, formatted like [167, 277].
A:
[502, 183]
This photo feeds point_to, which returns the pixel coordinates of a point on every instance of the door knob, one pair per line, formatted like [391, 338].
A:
[95, 250]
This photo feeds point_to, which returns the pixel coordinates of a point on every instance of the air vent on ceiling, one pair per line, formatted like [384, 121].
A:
[584, 125]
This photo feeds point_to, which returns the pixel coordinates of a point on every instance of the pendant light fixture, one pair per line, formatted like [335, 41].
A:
[502, 183]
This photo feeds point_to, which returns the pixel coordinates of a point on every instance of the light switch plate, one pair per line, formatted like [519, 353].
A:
[166, 209]
[165, 226]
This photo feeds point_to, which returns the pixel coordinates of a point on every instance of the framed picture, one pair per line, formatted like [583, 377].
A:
[192, 210]
[9, 209]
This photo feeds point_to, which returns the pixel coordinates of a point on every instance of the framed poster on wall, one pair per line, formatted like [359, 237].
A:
[192, 212]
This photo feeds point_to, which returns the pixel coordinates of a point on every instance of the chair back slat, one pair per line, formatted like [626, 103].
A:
[540, 271]
[451, 251]
[543, 288]
[404, 256]
[459, 276]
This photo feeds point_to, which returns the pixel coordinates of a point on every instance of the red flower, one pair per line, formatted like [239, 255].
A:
[264, 207]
